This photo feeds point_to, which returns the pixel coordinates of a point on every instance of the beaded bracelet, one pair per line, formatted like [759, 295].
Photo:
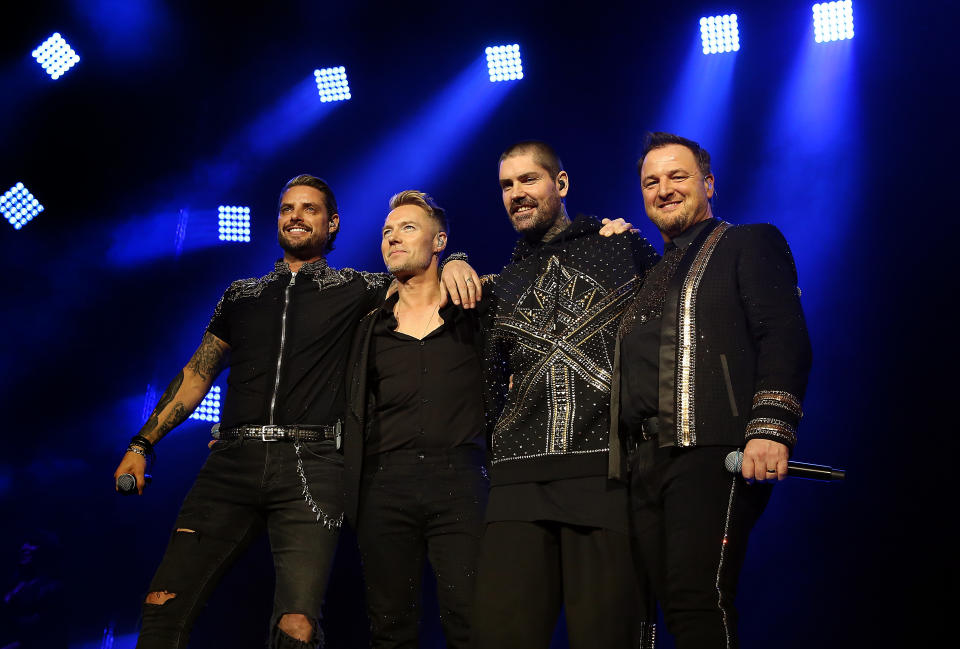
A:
[145, 446]
[133, 448]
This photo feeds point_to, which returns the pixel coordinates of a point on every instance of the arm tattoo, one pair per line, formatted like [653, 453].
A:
[209, 358]
[153, 430]
[177, 417]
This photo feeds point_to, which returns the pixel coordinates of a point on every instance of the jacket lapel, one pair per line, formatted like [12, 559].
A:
[678, 340]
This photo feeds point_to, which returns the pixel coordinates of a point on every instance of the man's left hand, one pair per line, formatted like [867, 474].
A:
[764, 459]
[461, 283]
[618, 226]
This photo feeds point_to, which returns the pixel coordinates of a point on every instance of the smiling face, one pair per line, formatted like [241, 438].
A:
[303, 225]
[410, 241]
[533, 200]
[676, 194]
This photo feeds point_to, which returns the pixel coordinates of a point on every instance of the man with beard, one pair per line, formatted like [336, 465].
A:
[557, 528]
[274, 466]
[415, 440]
[712, 357]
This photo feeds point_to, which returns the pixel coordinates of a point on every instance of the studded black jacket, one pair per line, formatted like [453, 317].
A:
[554, 317]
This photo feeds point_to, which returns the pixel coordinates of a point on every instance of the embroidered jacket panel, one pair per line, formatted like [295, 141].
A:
[555, 312]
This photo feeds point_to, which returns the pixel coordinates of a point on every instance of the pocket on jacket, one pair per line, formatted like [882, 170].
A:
[726, 378]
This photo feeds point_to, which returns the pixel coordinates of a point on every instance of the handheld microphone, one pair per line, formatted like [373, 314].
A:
[127, 483]
[734, 463]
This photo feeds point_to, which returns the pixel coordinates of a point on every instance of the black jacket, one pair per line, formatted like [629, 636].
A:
[555, 314]
[734, 349]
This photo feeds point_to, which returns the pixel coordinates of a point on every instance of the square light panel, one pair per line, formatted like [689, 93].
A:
[332, 84]
[503, 62]
[719, 34]
[56, 56]
[19, 206]
[234, 223]
[833, 21]
[209, 408]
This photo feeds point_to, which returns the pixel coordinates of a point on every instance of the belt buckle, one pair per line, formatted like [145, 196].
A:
[269, 430]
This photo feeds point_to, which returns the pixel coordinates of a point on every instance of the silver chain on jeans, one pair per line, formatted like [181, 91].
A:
[323, 518]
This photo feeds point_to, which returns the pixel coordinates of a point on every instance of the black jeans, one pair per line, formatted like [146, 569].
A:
[529, 569]
[415, 504]
[691, 519]
[244, 488]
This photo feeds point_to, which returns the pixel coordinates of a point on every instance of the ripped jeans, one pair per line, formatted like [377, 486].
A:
[246, 487]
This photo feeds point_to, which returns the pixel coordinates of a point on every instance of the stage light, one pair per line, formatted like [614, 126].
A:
[719, 34]
[209, 408]
[833, 21]
[56, 56]
[234, 223]
[332, 84]
[503, 62]
[19, 206]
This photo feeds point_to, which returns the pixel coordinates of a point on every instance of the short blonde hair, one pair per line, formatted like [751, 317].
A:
[425, 202]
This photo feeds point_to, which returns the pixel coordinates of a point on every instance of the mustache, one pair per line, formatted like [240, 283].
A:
[522, 202]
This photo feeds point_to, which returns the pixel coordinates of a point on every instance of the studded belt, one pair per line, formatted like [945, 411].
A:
[274, 433]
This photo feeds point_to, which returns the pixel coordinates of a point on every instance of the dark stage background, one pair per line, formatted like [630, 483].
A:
[176, 108]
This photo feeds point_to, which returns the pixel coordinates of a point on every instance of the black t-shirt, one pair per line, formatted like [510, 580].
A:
[289, 337]
[427, 393]
[593, 501]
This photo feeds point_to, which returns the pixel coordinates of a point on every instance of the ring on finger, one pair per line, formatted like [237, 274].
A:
[771, 470]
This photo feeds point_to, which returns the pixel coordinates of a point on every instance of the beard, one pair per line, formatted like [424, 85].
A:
[673, 225]
[409, 265]
[536, 223]
[313, 244]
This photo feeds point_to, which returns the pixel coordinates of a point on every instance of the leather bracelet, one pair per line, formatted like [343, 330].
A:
[142, 441]
[145, 445]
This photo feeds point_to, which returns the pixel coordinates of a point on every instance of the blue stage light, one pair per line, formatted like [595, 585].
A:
[503, 62]
[332, 84]
[56, 56]
[719, 34]
[234, 223]
[19, 206]
[833, 21]
[209, 408]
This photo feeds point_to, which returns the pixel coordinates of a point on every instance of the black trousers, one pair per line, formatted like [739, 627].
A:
[244, 488]
[529, 569]
[416, 504]
[691, 520]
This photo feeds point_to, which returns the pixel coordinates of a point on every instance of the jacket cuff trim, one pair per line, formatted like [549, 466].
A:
[775, 429]
[778, 399]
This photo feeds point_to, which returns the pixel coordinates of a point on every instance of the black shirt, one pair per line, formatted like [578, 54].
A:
[427, 394]
[640, 357]
[289, 337]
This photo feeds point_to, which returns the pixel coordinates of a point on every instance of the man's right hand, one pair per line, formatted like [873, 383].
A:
[135, 464]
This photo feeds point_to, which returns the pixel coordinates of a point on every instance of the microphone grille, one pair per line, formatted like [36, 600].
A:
[126, 483]
[734, 461]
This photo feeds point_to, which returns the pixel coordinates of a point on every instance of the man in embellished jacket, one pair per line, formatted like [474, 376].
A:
[557, 529]
[274, 466]
[712, 357]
